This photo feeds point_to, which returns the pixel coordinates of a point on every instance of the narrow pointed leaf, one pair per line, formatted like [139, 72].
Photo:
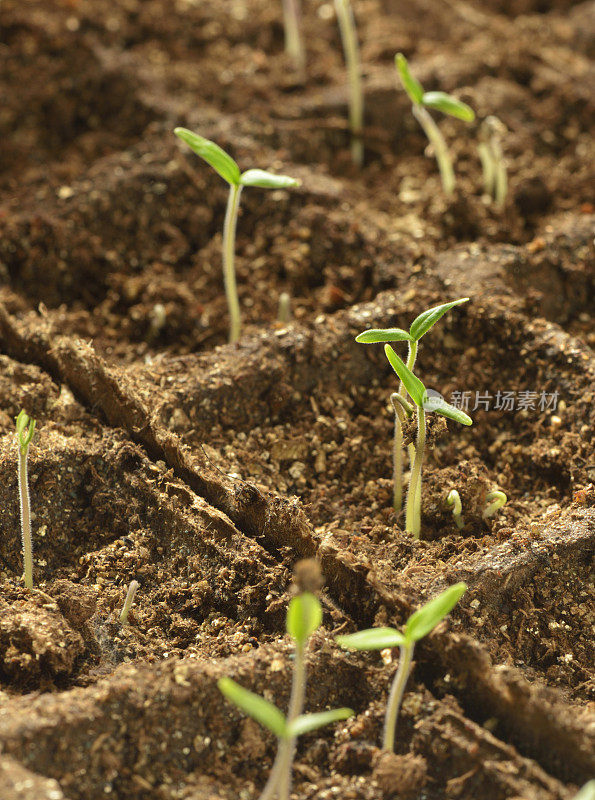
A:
[266, 180]
[427, 617]
[450, 412]
[374, 335]
[448, 104]
[412, 86]
[411, 382]
[422, 324]
[304, 616]
[212, 154]
[371, 639]
[255, 706]
[311, 722]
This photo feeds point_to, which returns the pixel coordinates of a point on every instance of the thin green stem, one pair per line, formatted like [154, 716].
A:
[229, 272]
[413, 510]
[396, 695]
[398, 455]
[495, 500]
[293, 40]
[296, 706]
[25, 519]
[443, 158]
[130, 594]
[352, 60]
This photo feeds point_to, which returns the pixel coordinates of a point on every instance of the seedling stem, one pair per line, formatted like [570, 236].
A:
[441, 153]
[132, 589]
[454, 501]
[293, 40]
[413, 512]
[25, 429]
[229, 270]
[495, 500]
[352, 59]
[284, 312]
[396, 696]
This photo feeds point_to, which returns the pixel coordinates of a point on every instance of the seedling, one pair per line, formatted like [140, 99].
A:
[419, 327]
[304, 616]
[293, 40]
[284, 312]
[454, 501]
[587, 792]
[227, 168]
[25, 429]
[352, 59]
[439, 101]
[495, 179]
[132, 589]
[495, 500]
[419, 624]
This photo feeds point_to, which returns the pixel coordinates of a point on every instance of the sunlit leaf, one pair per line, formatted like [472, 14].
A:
[311, 722]
[255, 706]
[427, 617]
[412, 86]
[439, 406]
[212, 154]
[371, 639]
[266, 180]
[422, 324]
[304, 616]
[448, 104]
[411, 382]
[375, 335]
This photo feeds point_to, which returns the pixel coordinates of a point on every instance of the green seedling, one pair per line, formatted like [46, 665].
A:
[439, 101]
[293, 40]
[454, 501]
[419, 327]
[284, 312]
[587, 792]
[423, 402]
[132, 589]
[419, 624]
[304, 616]
[495, 179]
[25, 427]
[352, 59]
[494, 501]
[227, 168]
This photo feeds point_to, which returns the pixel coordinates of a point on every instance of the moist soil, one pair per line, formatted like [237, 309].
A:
[206, 471]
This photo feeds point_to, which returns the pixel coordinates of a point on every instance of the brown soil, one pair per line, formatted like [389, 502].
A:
[206, 471]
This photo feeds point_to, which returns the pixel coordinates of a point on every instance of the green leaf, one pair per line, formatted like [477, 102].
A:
[427, 617]
[448, 105]
[422, 324]
[412, 86]
[439, 406]
[371, 639]
[266, 180]
[25, 426]
[255, 706]
[411, 382]
[375, 335]
[311, 722]
[304, 616]
[212, 154]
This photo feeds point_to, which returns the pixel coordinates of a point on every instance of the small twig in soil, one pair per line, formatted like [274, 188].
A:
[25, 427]
[227, 168]
[419, 624]
[440, 101]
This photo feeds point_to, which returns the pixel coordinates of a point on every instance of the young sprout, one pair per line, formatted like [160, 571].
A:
[25, 429]
[587, 792]
[304, 616]
[293, 40]
[227, 168]
[419, 624]
[440, 101]
[454, 501]
[132, 589]
[495, 179]
[284, 312]
[419, 327]
[495, 500]
[356, 97]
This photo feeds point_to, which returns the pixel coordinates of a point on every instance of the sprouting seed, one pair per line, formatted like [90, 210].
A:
[494, 501]
[25, 427]
[439, 101]
[419, 327]
[495, 179]
[293, 40]
[419, 624]
[130, 594]
[454, 501]
[227, 168]
[284, 312]
[304, 616]
[354, 73]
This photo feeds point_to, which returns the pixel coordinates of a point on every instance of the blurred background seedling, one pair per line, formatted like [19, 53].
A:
[348, 32]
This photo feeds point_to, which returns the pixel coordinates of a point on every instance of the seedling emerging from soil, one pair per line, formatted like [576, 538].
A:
[587, 792]
[352, 59]
[440, 101]
[419, 327]
[132, 589]
[495, 179]
[419, 624]
[25, 429]
[224, 164]
[418, 393]
[495, 500]
[304, 616]
[293, 40]
[454, 501]
[284, 312]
